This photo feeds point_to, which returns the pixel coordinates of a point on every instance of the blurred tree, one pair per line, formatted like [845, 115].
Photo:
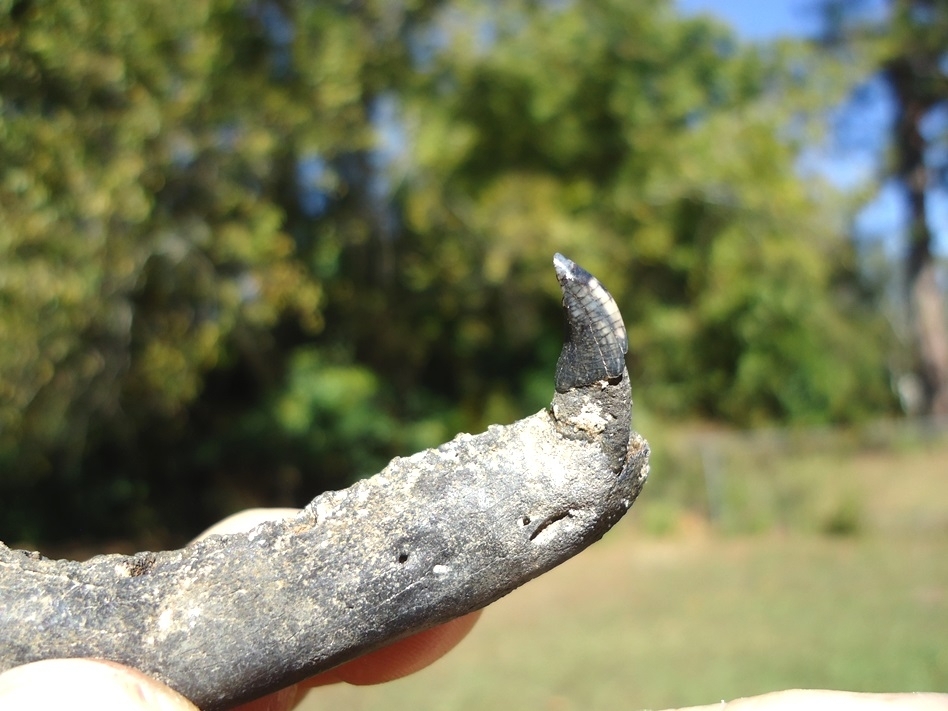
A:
[661, 154]
[149, 156]
[254, 248]
[905, 42]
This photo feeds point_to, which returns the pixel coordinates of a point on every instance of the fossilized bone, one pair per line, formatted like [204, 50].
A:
[431, 537]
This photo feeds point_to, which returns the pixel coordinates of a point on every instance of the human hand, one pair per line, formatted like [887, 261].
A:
[77, 684]
[823, 700]
[82, 684]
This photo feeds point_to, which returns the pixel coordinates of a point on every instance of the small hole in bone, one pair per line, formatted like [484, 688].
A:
[525, 521]
[402, 557]
[543, 525]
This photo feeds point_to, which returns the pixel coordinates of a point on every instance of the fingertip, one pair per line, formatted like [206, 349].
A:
[247, 519]
[400, 658]
[77, 684]
[278, 701]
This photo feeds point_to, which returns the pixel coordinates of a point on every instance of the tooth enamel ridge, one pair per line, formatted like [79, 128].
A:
[596, 339]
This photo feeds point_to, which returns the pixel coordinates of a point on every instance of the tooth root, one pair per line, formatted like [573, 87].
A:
[596, 339]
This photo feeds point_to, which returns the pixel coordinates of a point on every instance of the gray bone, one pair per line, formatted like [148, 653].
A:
[431, 537]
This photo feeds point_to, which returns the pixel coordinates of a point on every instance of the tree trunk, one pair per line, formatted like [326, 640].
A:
[906, 75]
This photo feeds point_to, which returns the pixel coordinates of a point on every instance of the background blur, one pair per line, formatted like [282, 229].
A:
[252, 249]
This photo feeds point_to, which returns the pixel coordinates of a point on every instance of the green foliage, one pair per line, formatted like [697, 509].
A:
[901, 44]
[339, 411]
[218, 290]
[147, 155]
[654, 151]
[136, 241]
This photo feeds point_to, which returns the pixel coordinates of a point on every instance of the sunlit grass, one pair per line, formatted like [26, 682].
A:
[647, 624]
[885, 478]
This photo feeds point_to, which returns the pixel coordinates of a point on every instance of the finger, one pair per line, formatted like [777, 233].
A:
[244, 521]
[57, 684]
[80, 684]
[247, 519]
[400, 658]
[282, 700]
[821, 700]
[391, 662]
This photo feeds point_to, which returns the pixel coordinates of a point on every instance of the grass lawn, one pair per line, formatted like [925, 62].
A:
[642, 622]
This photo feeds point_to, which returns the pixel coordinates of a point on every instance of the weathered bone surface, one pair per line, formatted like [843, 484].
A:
[429, 538]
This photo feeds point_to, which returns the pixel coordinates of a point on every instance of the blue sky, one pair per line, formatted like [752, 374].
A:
[759, 19]
[884, 218]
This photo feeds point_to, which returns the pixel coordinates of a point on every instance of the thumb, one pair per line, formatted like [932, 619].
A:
[81, 684]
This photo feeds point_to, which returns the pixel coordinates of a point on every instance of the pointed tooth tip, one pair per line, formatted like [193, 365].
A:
[563, 265]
